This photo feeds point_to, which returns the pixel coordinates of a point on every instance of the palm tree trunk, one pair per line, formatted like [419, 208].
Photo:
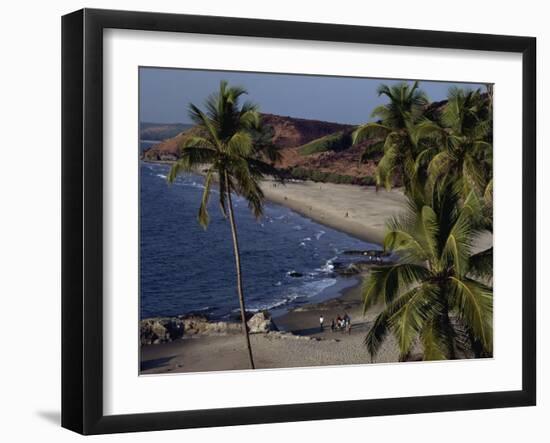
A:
[238, 267]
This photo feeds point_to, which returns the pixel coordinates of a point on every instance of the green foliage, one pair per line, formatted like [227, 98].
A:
[232, 147]
[423, 144]
[338, 141]
[393, 132]
[301, 173]
[373, 151]
[434, 280]
[237, 153]
[460, 143]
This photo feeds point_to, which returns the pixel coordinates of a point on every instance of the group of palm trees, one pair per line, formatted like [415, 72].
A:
[439, 291]
[438, 295]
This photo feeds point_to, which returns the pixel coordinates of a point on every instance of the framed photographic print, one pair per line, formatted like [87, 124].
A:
[269, 221]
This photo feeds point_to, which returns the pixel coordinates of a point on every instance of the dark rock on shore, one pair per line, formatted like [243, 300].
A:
[160, 330]
[295, 274]
[261, 322]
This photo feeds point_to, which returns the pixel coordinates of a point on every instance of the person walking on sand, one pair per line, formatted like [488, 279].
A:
[348, 324]
[341, 323]
[321, 320]
[332, 325]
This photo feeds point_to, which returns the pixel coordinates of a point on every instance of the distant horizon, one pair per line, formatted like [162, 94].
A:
[165, 94]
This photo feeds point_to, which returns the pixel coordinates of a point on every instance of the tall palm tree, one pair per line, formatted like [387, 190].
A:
[438, 288]
[227, 151]
[396, 122]
[462, 144]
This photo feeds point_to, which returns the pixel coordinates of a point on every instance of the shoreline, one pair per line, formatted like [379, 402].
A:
[328, 203]
[298, 343]
[359, 211]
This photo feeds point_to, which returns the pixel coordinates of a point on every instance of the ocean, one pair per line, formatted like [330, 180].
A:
[287, 259]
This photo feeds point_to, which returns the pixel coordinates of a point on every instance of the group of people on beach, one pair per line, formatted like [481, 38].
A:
[340, 323]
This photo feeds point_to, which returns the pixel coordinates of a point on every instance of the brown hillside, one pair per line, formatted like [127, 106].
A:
[289, 132]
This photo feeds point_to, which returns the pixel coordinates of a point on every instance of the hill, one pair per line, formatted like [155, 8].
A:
[310, 149]
[288, 133]
[161, 131]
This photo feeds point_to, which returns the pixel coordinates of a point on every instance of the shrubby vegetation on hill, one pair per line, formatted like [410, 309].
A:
[333, 142]
[301, 173]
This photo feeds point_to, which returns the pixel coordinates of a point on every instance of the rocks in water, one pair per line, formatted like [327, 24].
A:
[372, 258]
[368, 253]
[357, 267]
[295, 274]
[261, 322]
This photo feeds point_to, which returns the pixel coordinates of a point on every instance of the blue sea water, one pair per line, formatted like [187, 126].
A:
[184, 268]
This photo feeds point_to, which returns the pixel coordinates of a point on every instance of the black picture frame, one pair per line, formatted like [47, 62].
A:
[82, 218]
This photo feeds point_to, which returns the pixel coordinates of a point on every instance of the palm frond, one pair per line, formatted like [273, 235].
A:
[457, 247]
[480, 265]
[385, 283]
[389, 162]
[381, 326]
[178, 168]
[204, 122]
[203, 216]
[434, 342]
[247, 185]
[407, 321]
[370, 131]
[240, 144]
[474, 305]
[197, 142]
[430, 130]
[192, 160]
[440, 165]
[381, 112]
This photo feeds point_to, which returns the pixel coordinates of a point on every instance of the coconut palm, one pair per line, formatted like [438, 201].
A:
[461, 141]
[396, 121]
[438, 291]
[226, 152]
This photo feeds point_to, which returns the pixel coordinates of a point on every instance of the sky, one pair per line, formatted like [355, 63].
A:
[165, 94]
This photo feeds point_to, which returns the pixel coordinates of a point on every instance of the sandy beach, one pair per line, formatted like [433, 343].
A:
[307, 346]
[360, 211]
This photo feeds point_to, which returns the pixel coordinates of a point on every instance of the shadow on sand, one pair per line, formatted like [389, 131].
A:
[155, 363]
